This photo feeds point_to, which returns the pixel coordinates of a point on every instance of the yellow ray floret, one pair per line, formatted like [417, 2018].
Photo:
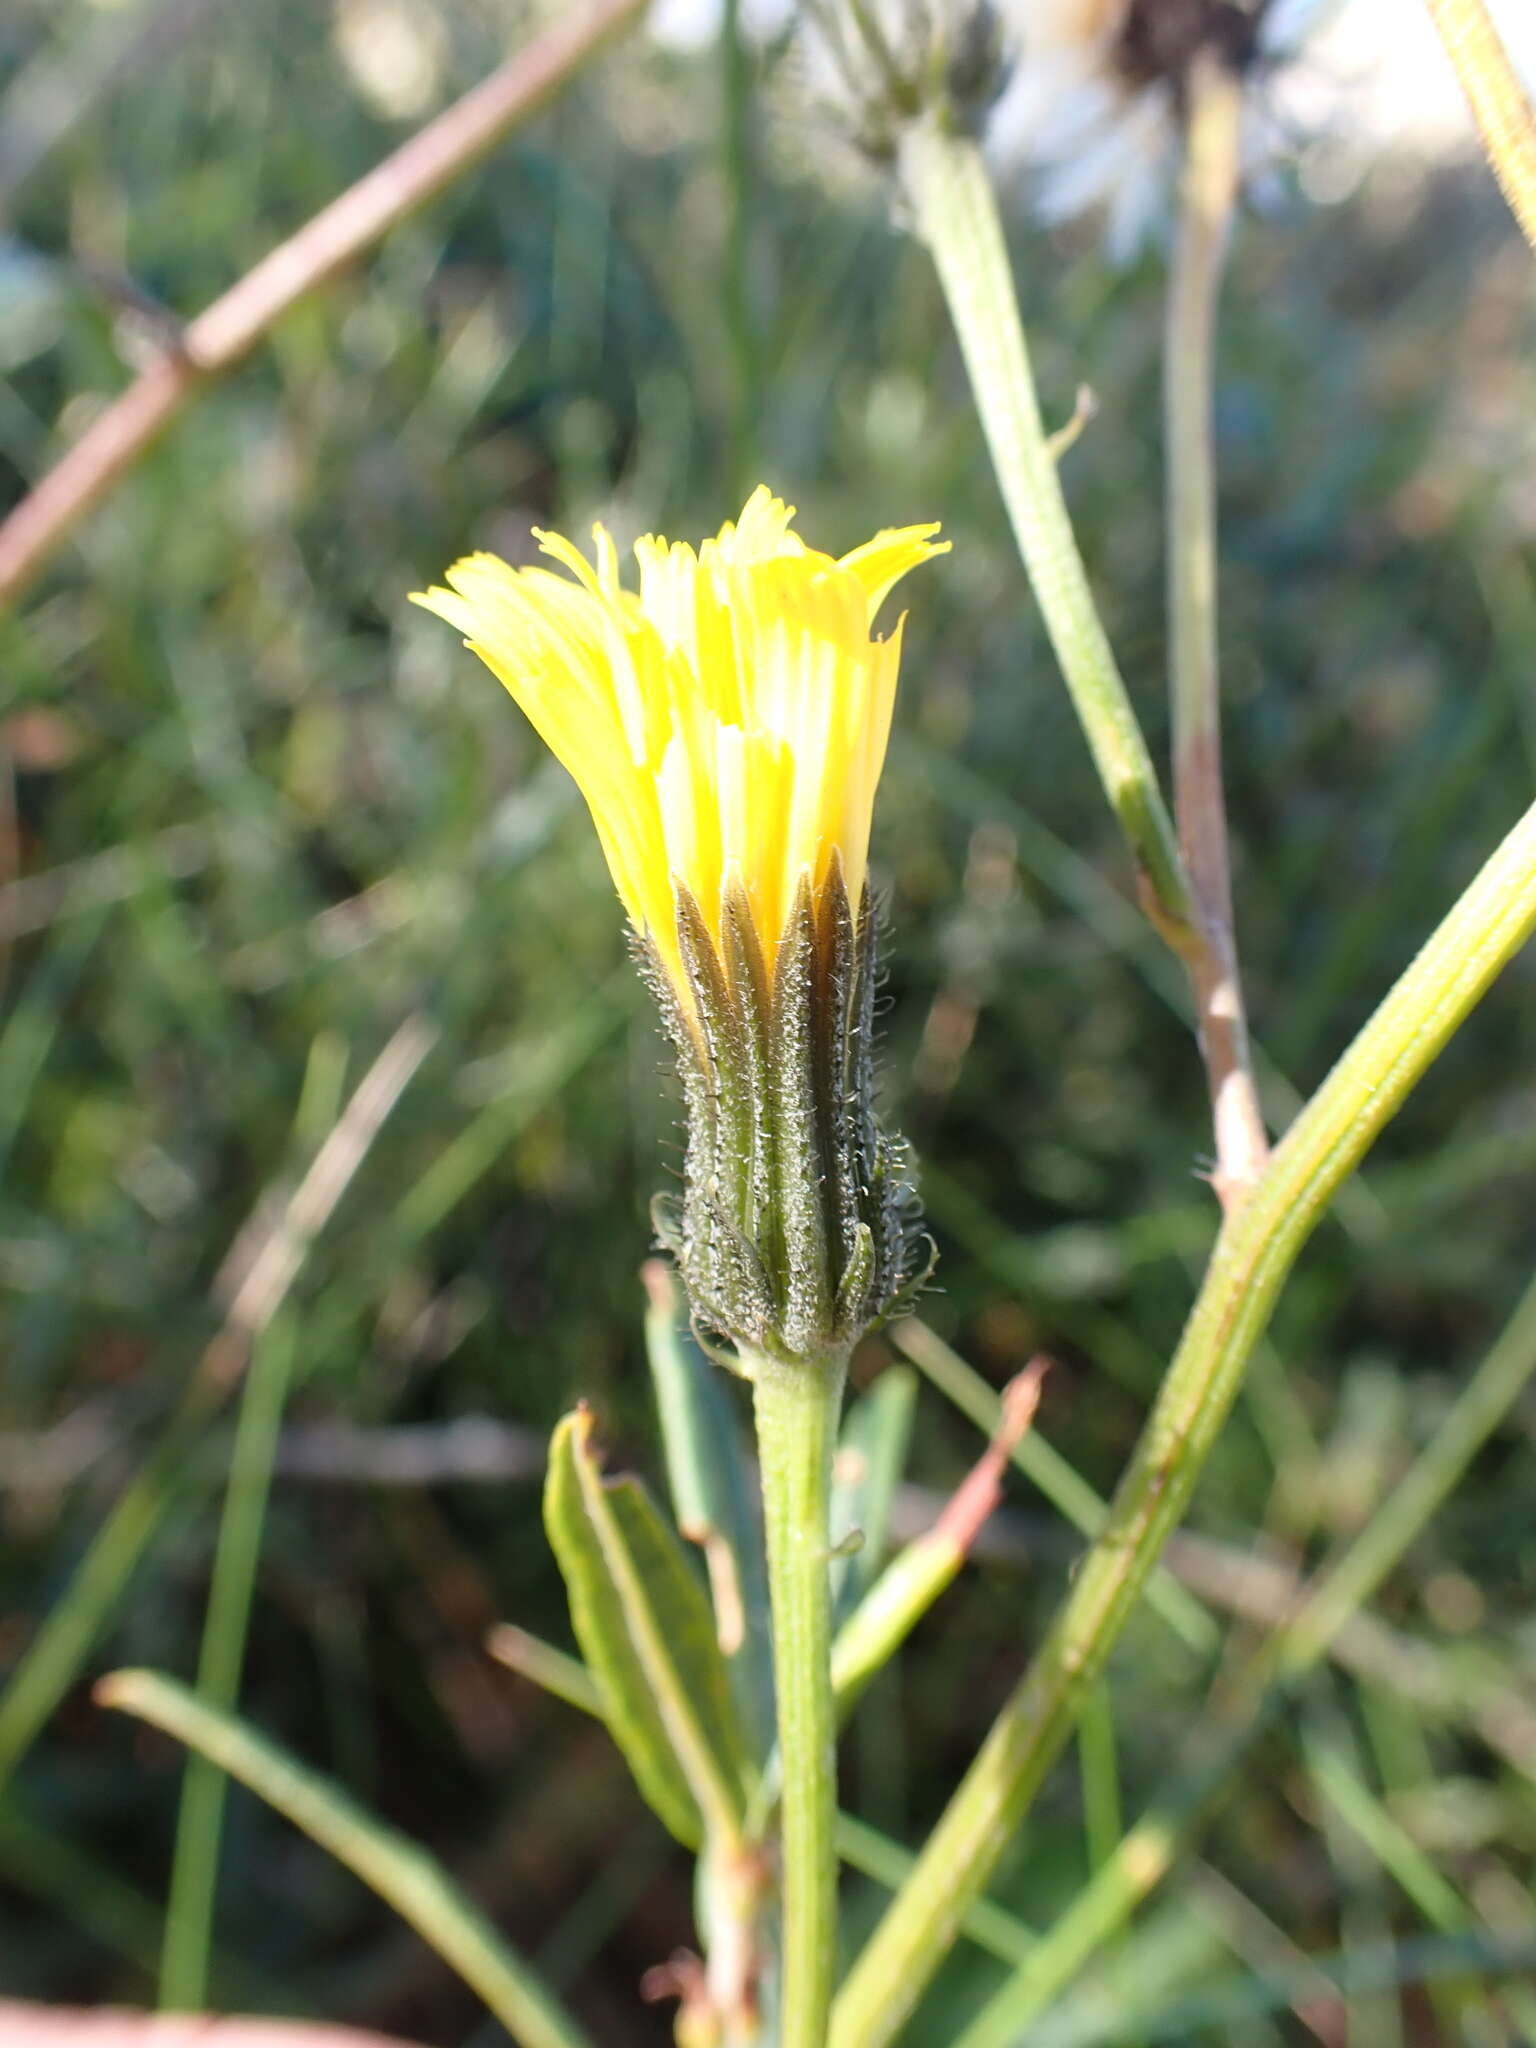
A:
[728, 722]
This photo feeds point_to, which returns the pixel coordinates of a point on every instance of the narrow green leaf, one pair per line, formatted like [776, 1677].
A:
[189, 1916]
[399, 1870]
[557, 1671]
[648, 1637]
[712, 1498]
[881, 1622]
[891, 1607]
[871, 1458]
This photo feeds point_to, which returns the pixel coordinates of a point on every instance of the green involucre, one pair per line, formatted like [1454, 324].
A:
[797, 1228]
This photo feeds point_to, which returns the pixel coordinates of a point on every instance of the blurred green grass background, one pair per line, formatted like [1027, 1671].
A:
[266, 811]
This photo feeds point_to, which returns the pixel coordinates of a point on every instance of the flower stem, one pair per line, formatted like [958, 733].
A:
[1149, 1849]
[796, 1409]
[1258, 1245]
[1207, 190]
[1500, 103]
[951, 195]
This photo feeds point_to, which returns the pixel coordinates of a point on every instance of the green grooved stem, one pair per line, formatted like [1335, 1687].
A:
[1254, 1253]
[796, 1409]
[1144, 1855]
[951, 193]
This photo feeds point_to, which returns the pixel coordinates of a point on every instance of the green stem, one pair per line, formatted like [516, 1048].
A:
[1147, 1852]
[1500, 103]
[199, 1823]
[796, 1409]
[874, 1855]
[1255, 1251]
[1207, 190]
[947, 183]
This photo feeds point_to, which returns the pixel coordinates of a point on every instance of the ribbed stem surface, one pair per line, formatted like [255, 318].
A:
[797, 1412]
[1257, 1247]
[949, 187]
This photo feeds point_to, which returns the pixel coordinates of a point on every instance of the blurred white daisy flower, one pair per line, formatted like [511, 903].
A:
[691, 24]
[1092, 108]
[877, 64]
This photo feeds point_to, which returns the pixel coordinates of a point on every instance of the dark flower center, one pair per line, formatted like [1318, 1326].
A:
[1161, 39]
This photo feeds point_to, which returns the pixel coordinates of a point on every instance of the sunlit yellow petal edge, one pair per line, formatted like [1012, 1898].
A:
[728, 721]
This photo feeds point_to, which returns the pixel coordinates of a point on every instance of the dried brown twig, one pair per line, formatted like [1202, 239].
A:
[1208, 188]
[219, 339]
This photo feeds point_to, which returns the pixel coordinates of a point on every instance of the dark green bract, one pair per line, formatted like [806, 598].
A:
[798, 1228]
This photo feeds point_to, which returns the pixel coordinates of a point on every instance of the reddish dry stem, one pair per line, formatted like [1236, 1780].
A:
[1208, 189]
[980, 1492]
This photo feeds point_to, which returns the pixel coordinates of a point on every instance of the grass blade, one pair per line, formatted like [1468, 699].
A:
[399, 1870]
[200, 1820]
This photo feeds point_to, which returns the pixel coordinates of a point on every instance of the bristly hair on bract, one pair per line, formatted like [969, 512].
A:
[727, 724]
[797, 1227]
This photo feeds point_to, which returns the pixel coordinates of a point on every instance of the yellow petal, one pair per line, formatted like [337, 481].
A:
[726, 724]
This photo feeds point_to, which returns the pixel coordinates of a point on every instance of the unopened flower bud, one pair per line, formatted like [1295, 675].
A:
[727, 726]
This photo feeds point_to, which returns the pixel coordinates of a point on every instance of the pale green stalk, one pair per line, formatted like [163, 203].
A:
[951, 194]
[860, 1846]
[874, 1855]
[796, 1411]
[188, 1940]
[1500, 104]
[1207, 191]
[1258, 1244]
[1148, 1851]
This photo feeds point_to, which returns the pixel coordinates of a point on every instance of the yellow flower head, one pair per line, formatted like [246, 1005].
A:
[726, 725]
